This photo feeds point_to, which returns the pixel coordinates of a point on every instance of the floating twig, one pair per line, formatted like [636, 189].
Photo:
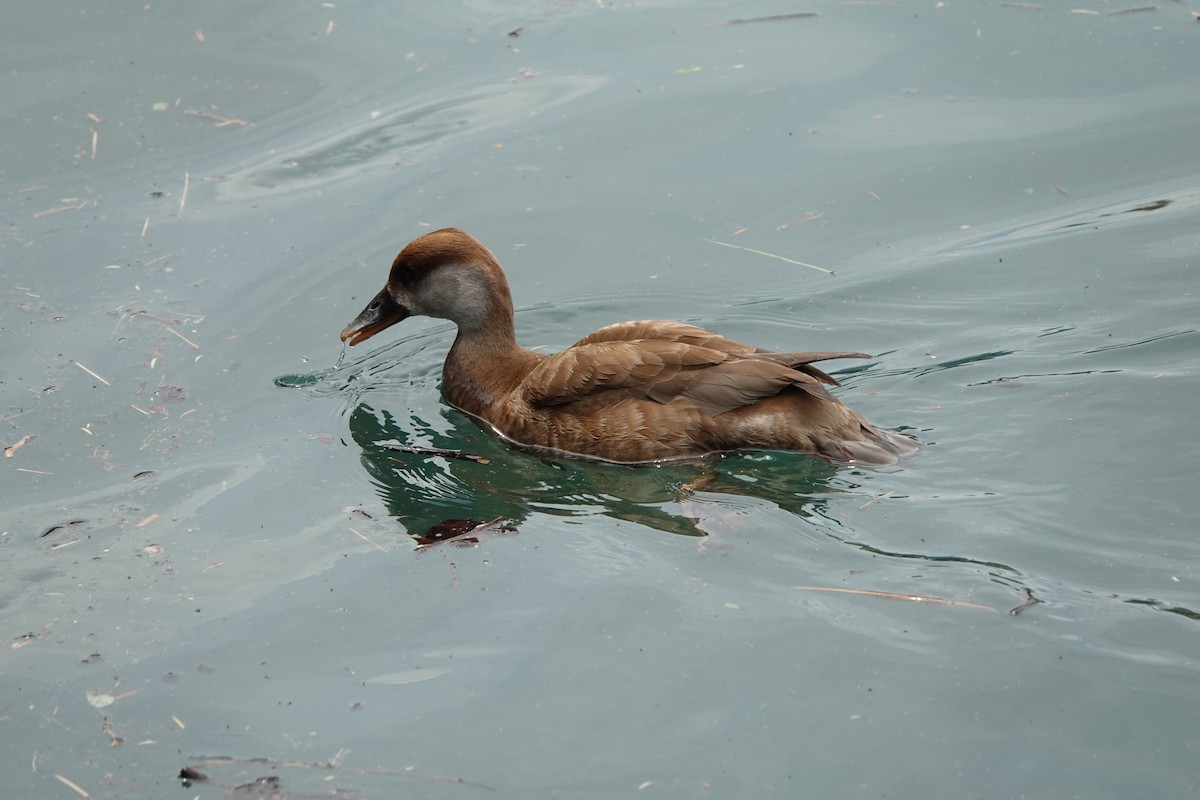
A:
[70, 784]
[433, 451]
[72, 206]
[186, 319]
[364, 537]
[774, 255]
[453, 568]
[187, 179]
[914, 598]
[154, 261]
[190, 343]
[1134, 10]
[1030, 602]
[164, 322]
[809, 217]
[876, 498]
[17, 445]
[89, 372]
[113, 738]
[31, 637]
[771, 18]
[221, 121]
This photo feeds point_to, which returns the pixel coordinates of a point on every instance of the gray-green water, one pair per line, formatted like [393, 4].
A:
[203, 563]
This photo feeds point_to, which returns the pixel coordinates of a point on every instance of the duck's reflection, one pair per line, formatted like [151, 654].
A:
[687, 498]
[437, 498]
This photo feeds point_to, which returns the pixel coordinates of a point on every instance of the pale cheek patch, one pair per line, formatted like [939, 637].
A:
[459, 295]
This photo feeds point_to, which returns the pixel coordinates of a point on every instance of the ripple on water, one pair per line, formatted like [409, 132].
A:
[404, 134]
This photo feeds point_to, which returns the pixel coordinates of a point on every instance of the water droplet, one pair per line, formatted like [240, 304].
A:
[295, 381]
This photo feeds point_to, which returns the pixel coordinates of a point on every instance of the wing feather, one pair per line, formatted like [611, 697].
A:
[665, 361]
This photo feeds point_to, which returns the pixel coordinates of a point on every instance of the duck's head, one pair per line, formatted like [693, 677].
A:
[446, 274]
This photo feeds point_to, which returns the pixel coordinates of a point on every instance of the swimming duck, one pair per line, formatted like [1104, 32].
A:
[631, 392]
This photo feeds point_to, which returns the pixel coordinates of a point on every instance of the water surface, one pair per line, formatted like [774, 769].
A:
[200, 563]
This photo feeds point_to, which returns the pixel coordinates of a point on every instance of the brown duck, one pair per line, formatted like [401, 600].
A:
[630, 392]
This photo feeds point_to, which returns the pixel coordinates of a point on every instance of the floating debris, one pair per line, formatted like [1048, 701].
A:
[912, 598]
[462, 532]
[11, 450]
[771, 18]
[433, 451]
[367, 539]
[70, 784]
[99, 699]
[1030, 602]
[89, 372]
[113, 739]
[774, 255]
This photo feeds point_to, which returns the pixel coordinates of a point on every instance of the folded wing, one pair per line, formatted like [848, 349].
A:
[665, 361]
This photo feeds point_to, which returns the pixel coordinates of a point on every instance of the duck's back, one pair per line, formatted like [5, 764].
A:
[652, 390]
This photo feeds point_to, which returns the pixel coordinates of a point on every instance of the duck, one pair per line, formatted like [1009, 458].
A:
[631, 392]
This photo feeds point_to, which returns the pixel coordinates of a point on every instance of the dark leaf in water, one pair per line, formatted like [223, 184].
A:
[463, 531]
[446, 529]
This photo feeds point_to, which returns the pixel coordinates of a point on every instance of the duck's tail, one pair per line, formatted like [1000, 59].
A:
[876, 447]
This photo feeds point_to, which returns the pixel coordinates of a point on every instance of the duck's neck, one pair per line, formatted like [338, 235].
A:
[485, 363]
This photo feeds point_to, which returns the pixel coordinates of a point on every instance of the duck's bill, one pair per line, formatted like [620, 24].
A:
[382, 312]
